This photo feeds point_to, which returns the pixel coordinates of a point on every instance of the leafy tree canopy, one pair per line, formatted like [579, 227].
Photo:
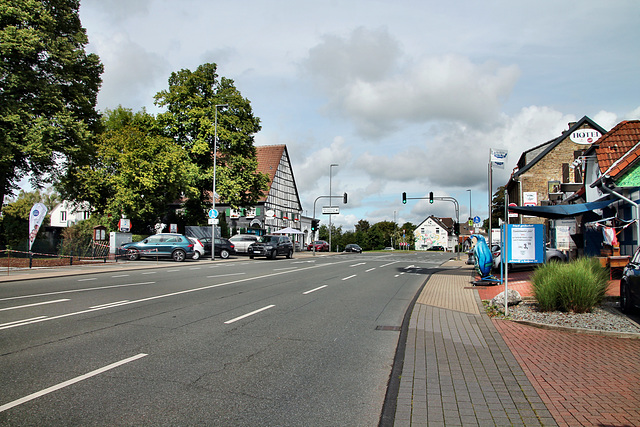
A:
[136, 172]
[48, 91]
[190, 119]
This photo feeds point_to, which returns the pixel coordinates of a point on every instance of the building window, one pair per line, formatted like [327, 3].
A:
[63, 216]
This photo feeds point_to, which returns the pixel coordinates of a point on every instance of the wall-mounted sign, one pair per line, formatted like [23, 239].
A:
[270, 213]
[530, 198]
[585, 136]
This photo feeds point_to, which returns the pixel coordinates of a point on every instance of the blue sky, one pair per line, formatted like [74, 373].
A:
[405, 96]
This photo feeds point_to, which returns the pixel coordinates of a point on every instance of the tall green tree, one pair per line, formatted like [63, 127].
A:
[136, 172]
[48, 91]
[190, 119]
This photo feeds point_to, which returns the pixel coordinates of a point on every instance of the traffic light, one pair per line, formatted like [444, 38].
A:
[404, 198]
[314, 224]
[431, 197]
[344, 198]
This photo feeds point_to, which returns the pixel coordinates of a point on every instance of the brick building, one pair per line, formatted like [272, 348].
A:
[546, 174]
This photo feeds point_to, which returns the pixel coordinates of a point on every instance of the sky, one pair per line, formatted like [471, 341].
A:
[404, 96]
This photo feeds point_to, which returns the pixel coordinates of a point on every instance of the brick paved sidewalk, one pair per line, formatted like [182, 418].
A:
[586, 380]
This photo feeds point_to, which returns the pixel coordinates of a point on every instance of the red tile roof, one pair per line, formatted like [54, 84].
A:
[269, 157]
[617, 149]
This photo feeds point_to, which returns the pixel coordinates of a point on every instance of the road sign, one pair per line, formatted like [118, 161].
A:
[213, 221]
[330, 210]
[213, 213]
[476, 219]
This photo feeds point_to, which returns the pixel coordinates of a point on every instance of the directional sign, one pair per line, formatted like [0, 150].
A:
[330, 210]
[213, 213]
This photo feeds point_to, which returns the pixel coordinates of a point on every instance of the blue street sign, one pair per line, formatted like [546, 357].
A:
[476, 219]
[213, 213]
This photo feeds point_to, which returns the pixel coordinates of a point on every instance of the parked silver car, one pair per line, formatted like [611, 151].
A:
[242, 241]
[551, 254]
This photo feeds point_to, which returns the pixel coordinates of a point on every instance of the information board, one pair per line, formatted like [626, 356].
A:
[526, 243]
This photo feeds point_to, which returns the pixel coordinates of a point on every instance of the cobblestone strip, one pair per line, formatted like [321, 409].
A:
[576, 376]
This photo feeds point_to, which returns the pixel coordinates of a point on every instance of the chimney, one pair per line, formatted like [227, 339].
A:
[571, 124]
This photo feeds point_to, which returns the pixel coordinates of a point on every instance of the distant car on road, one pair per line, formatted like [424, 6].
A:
[271, 246]
[319, 245]
[630, 285]
[171, 245]
[352, 247]
[242, 241]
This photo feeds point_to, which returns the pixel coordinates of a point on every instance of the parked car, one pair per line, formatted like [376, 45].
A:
[198, 247]
[630, 285]
[271, 246]
[224, 248]
[171, 245]
[352, 247]
[320, 245]
[242, 241]
[551, 255]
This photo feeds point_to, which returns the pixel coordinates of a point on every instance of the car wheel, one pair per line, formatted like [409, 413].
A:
[196, 255]
[274, 254]
[625, 298]
[554, 259]
[179, 255]
[224, 254]
[250, 256]
[133, 255]
[290, 254]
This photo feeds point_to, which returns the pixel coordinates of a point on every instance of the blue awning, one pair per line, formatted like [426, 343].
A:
[560, 211]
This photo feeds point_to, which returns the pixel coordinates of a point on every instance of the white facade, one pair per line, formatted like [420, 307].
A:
[432, 232]
[68, 213]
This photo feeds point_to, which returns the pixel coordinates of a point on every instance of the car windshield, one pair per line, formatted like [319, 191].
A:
[268, 239]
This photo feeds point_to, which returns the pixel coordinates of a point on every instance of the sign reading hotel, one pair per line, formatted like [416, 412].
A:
[585, 136]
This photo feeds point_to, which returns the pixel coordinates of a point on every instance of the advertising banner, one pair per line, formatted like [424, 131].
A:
[36, 216]
[498, 157]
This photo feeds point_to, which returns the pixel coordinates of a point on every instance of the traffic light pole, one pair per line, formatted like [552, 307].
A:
[314, 214]
[443, 198]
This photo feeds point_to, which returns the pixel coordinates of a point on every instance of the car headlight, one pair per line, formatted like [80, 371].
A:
[268, 247]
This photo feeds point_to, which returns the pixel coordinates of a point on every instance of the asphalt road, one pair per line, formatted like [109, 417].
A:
[306, 341]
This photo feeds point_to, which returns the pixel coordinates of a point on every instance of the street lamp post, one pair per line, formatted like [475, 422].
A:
[213, 195]
[330, 203]
[470, 217]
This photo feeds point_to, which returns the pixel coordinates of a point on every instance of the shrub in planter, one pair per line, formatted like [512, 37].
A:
[577, 286]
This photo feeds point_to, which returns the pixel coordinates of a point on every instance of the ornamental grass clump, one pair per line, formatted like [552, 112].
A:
[577, 286]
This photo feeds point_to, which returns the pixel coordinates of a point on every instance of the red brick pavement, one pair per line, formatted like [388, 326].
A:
[520, 282]
[576, 376]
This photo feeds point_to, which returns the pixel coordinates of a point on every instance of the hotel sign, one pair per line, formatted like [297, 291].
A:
[585, 136]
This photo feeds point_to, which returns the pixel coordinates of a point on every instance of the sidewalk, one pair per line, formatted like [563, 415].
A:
[462, 368]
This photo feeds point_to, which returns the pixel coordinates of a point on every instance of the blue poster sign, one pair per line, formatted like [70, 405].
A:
[525, 243]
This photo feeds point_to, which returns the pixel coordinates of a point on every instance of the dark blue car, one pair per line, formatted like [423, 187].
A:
[166, 245]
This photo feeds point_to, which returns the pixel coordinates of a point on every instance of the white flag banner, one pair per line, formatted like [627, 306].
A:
[498, 158]
[38, 212]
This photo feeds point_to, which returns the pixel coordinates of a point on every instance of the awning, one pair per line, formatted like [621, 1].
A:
[560, 211]
[288, 230]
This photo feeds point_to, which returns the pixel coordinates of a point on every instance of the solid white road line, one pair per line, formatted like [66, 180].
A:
[249, 314]
[110, 304]
[69, 382]
[22, 321]
[33, 305]
[313, 290]
[99, 288]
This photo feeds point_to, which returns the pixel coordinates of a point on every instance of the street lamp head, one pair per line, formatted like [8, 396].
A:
[222, 105]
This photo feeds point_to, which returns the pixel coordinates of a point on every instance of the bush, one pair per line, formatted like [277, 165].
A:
[577, 286]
